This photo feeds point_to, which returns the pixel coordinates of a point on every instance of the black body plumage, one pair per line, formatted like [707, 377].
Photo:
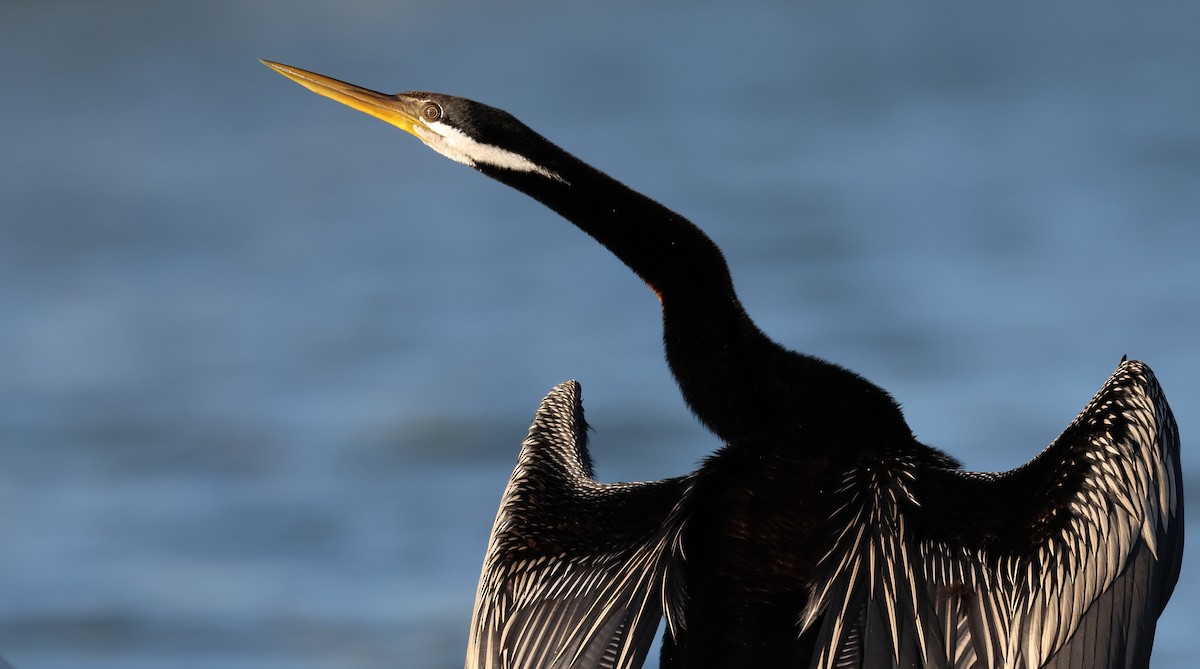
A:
[822, 534]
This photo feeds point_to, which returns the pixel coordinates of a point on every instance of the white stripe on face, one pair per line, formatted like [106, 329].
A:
[456, 145]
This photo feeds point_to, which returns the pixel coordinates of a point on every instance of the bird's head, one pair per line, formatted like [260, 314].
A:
[469, 132]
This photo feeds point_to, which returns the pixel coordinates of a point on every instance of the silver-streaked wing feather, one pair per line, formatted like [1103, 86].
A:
[1065, 562]
[576, 571]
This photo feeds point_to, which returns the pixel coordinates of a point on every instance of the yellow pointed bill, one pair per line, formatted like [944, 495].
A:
[399, 110]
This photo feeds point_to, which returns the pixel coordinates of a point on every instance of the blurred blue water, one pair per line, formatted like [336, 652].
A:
[265, 362]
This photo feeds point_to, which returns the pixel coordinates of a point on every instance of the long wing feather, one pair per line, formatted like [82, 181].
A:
[1066, 562]
[575, 573]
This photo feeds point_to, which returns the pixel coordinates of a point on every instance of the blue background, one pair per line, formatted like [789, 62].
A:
[265, 362]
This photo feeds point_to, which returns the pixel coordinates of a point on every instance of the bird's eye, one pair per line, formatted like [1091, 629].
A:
[431, 111]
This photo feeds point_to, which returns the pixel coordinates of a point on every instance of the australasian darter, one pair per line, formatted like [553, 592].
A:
[823, 534]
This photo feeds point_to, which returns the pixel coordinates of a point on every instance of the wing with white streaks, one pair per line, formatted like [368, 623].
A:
[576, 571]
[1065, 562]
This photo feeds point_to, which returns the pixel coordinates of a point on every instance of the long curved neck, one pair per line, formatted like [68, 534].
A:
[742, 385]
[727, 369]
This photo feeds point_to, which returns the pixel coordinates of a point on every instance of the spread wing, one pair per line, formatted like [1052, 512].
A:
[575, 573]
[1064, 562]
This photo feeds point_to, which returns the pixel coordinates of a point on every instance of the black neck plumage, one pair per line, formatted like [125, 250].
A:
[739, 383]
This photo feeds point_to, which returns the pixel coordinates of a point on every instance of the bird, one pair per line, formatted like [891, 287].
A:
[822, 534]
